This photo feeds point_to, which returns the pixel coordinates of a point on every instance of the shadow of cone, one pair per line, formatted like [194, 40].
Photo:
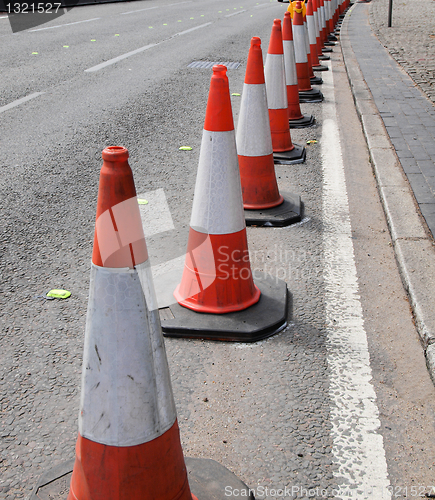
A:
[261, 198]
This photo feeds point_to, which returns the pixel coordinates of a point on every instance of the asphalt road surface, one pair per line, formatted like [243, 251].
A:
[339, 404]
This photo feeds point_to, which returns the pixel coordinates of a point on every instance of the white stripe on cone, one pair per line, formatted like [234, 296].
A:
[253, 137]
[274, 74]
[217, 203]
[291, 76]
[311, 30]
[299, 44]
[126, 397]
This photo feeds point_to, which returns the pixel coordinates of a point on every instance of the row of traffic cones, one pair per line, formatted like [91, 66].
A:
[128, 446]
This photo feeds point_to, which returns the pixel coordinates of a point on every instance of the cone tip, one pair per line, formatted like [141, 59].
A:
[115, 153]
[219, 68]
[255, 41]
[277, 22]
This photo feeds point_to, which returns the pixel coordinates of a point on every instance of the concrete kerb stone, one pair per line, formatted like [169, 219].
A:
[413, 247]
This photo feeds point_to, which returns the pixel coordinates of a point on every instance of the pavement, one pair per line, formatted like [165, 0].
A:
[391, 71]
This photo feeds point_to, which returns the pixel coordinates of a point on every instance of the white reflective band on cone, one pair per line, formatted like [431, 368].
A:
[274, 74]
[311, 30]
[291, 76]
[126, 396]
[316, 23]
[253, 137]
[217, 203]
[299, 43]
[322, 16]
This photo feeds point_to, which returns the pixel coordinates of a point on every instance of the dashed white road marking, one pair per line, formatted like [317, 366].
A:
[141, 49]
[235, 13]
[20, 101]
[67, 24]
[357, 444]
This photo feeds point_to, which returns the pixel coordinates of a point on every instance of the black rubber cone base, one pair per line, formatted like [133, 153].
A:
[324, 58]
[326, 49]
[329, 44]
[320, 68]
[332, 38]
[289, 212]
[208, 480]
[313, 95]
[304, 122]
[296, 155]
[265, 318]
[317, 80]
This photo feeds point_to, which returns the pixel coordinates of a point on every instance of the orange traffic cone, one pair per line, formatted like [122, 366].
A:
[306, 92]
[217, 277]
[296, 118]
[217, 216]
[311, 25]
[261, 198]
[128, 445]
[285, 152]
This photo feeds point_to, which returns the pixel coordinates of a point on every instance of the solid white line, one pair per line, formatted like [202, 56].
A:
[20, 101]
[68, 24]
[5, 17]
[141, 49]
[357, 444]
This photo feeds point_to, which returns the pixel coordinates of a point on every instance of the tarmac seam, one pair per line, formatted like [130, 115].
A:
[413, 247]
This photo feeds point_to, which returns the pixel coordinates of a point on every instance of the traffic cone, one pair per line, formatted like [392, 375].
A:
[318, 21]
[306, 92]
[322, 26]
[285, 152]
[128, 445]
[264, 206]
[217, 298]
[311, 25]
[296, 118]
[314, 80]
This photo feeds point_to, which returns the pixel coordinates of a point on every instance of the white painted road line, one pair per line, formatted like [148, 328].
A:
[20, 101]
[119, 58]
[156, 7]
[357, 444]
[67, 24]
[235, 13]
[141, 49]
[140, 10]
